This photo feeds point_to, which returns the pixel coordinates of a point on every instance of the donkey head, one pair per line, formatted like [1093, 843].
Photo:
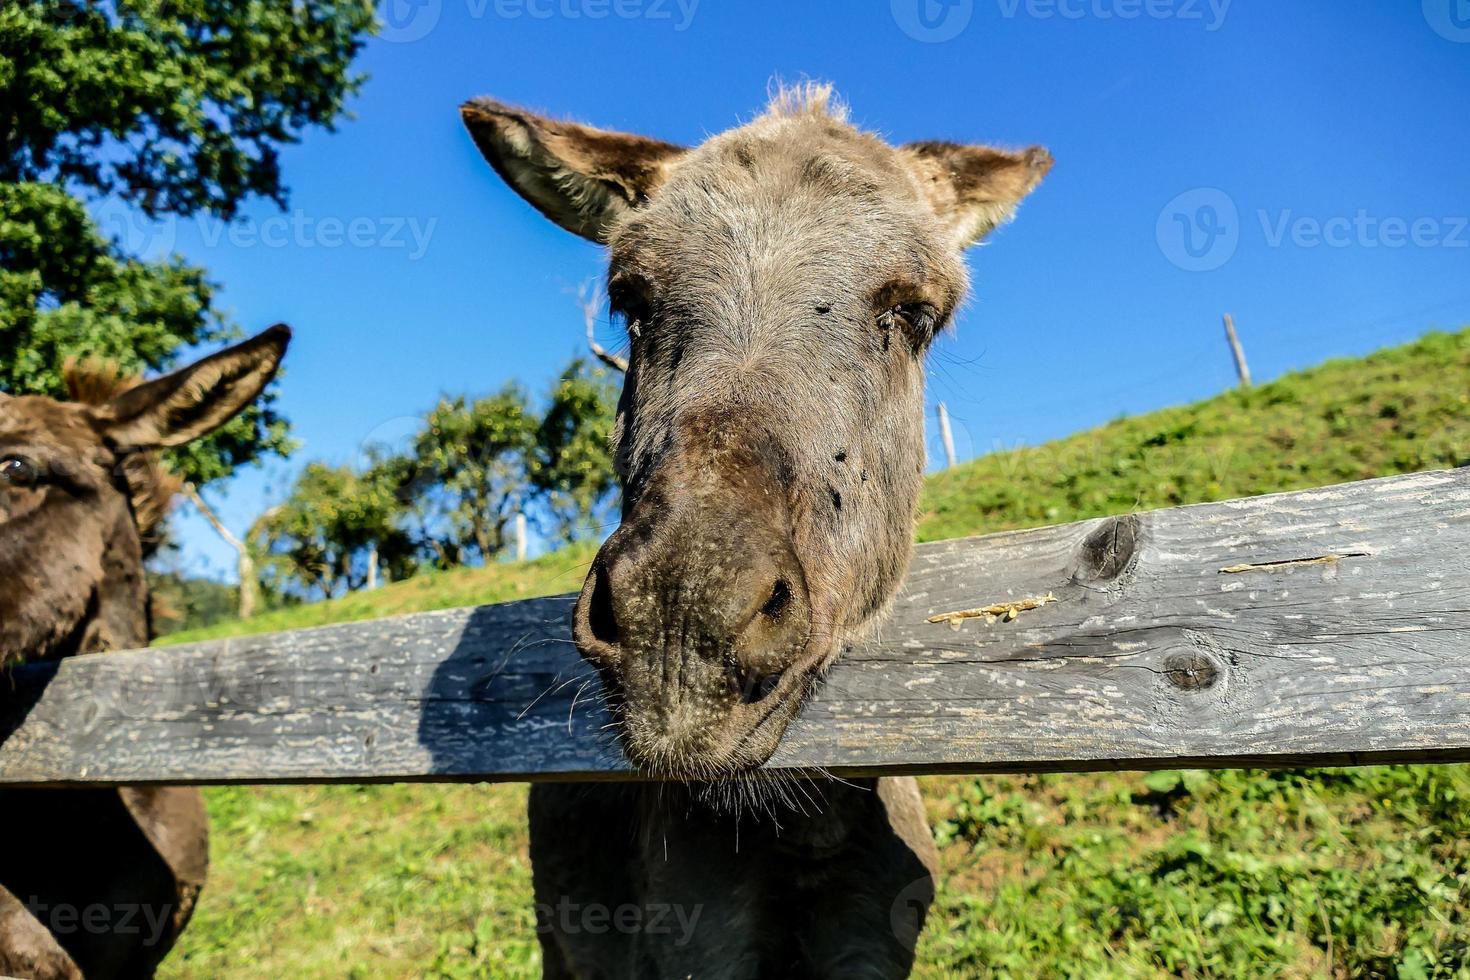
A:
[781, 284]
[77, 488]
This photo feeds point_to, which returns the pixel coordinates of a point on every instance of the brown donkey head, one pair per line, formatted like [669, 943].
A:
[77, 490]
[781, 284]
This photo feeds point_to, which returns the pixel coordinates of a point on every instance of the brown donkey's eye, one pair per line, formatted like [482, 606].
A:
[920, 321]
[16, 471]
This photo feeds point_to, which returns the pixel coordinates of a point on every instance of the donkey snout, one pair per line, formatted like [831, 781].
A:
[739, 606]
[692, 618]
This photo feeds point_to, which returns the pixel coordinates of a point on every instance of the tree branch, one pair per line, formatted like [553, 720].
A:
[192, 493]
[245, 561]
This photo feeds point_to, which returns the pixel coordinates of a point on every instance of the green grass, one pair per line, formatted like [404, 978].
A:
[1396, 411]
[560, 571]
[1233, 874]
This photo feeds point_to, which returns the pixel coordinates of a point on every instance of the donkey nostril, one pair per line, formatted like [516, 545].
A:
[779, 600]
[757, 688]
[600, 616]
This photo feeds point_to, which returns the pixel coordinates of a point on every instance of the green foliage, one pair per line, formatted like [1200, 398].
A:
[182, 602]
[1304, 874]
[574, 476]
[65, 291]
[449, 500]
[176, 106]
[335, 525]
[470, 474]
[171, 107]
[559, 571]
[1396, 411]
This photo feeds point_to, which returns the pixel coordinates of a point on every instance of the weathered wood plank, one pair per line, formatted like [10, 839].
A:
[1330, 626]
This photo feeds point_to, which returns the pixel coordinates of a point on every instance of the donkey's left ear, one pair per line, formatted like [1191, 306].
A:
[580, 177]
[196, 400]
[974, 189]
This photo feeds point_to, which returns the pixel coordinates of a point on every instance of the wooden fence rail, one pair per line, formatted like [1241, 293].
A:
[1329, 626]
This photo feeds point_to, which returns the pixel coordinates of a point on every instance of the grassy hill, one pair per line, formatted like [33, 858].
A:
[1293, 874]
[561, 571]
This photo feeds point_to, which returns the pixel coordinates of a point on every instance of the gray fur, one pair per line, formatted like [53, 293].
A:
[782, 284]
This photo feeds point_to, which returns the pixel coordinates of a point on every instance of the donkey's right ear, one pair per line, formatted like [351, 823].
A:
[580, 177]
[196, 400]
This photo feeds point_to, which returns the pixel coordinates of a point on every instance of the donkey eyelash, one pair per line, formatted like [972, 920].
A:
[920, 319]
[632, 325]
[627, 298]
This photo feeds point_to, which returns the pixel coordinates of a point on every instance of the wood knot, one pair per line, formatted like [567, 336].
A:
[1192, 671]
[1109, 550]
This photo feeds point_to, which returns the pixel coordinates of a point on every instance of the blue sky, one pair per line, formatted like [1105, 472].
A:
[1301, 164]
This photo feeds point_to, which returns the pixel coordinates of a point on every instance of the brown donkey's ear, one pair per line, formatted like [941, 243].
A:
[193, 401]
[974, 189]
[581, 178]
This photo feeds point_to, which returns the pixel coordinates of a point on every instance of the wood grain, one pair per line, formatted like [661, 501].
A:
[1325, 627]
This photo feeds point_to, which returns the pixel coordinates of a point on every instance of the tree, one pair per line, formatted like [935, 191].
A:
[335, 531]
[169, 107]
[573, 476]
[183, 602]
[450, 499]
[470, 474]
[176, 106]
[248, 595]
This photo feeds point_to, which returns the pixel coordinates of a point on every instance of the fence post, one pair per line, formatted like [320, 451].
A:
[1241, 368]
[946, 436]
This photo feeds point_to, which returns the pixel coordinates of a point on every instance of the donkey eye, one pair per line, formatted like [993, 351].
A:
[627, 298]
[919, 320]
[17, 471]
[922, 318]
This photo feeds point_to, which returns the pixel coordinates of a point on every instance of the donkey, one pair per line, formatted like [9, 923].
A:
[99, 882]
[781, 284]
